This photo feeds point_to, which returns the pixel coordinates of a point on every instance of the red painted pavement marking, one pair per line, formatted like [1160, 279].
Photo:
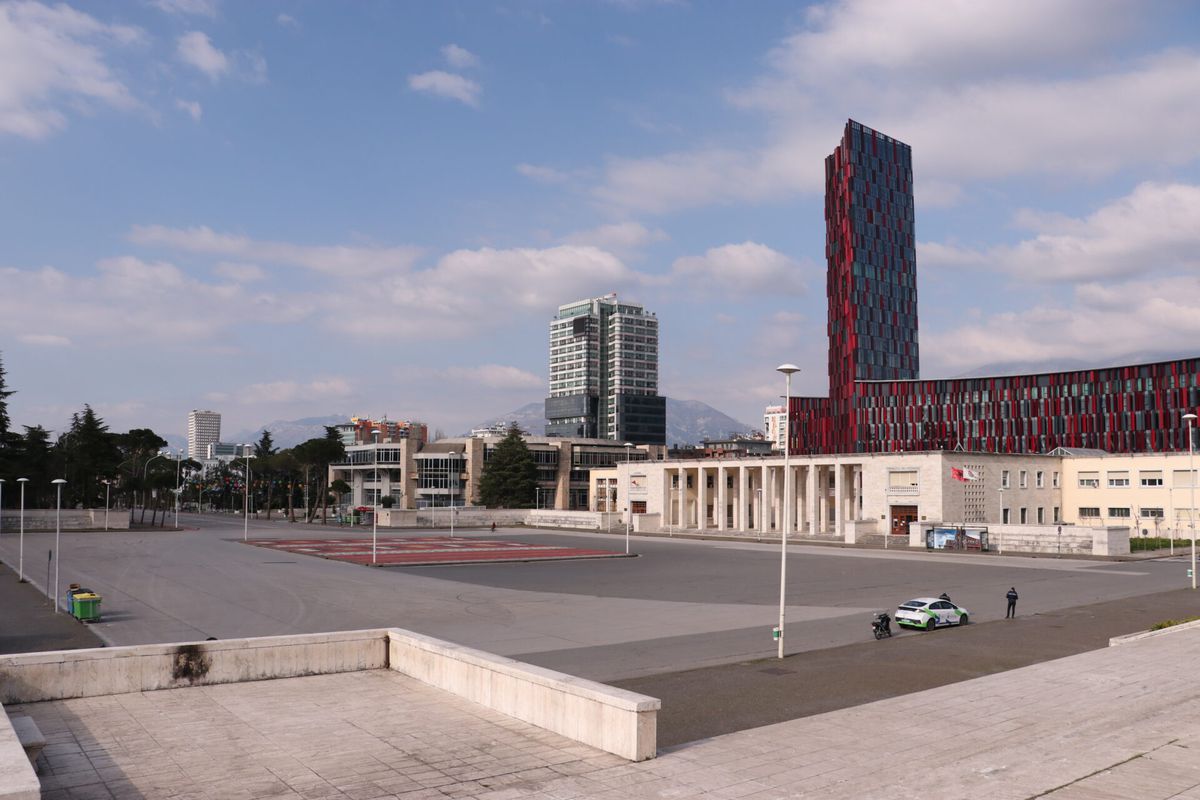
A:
[428, 550]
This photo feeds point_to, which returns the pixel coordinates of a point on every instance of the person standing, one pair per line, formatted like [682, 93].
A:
[1012, 603]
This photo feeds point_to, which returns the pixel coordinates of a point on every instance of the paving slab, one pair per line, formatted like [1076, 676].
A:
[424, 551]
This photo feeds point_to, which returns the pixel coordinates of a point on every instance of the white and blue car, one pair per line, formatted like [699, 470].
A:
[928, 613]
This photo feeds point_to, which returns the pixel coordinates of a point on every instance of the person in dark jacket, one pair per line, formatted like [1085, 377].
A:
[1012, 603]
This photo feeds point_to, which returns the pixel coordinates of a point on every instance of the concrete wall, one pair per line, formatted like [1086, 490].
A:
[1074, 540]
[610, 719]
[73, 519]
[18, 781]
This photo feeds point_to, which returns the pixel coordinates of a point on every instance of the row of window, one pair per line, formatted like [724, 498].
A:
[1023, 477]
[1119, 512]
[1147, 479]
[1023, 516]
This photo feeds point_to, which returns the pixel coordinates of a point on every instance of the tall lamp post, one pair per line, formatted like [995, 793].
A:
[628, 487]
[788, 370]
[107, 487]
[375, 505]
[1191, 420]
[453, 488]
[58, 483]
[246, 496]
[145, 477]
[178, 489]
[21, 547]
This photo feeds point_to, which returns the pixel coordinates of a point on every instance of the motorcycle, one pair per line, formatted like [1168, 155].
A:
[881, 624]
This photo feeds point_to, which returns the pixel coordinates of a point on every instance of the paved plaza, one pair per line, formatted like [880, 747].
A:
[424, 551]
[1120, 722]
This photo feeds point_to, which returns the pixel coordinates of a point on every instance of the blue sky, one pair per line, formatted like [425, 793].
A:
[285, 209]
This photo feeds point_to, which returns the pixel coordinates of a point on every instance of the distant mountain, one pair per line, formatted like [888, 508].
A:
[288, 432]
[530, 417]
[688, 421]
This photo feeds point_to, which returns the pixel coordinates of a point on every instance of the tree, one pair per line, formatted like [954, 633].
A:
[264, 454]
[137, 447]
[510, 476]
[89, 454]
[5, 393]
[318, 454]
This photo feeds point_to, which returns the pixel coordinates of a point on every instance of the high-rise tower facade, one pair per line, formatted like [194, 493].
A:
[604, 373]
[204, 428]
[877, 401]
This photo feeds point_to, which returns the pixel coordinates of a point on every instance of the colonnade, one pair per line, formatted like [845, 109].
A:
[750, 497]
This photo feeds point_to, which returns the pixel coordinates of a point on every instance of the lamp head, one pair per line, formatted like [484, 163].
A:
[22, 480]
[787, 369]
[1190, 418]
[59, 481]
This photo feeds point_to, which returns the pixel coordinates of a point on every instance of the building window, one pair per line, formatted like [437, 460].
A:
[1151, 479]
[1089, 512]
[1089, 480]
[1054, 480]
[1041, 479]
[1118, 480]
[1024, 479]
[1056, 516]
[1119, 512]
[1004, 479]
[1041, 516]
[638, 507]
[1154, 513]
[1024, 515]
[1004, 520]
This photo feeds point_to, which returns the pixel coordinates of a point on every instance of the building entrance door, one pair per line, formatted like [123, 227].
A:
[901, 516]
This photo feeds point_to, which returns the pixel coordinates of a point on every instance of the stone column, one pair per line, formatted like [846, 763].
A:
[701, 498]
[721, 510]
[667, 474]
[739, 513]
[683, 520]
[814, 505]
[839, 500]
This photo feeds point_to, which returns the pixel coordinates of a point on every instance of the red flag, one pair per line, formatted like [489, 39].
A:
[957, 474]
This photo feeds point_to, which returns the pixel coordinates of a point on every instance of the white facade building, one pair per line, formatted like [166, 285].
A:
[204, 429]
[775, 426]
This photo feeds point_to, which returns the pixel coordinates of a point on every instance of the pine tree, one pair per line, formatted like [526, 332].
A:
[510, 476]
[264, 452]
[5, 393]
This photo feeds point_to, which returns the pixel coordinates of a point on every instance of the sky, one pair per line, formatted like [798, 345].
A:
[291, 208]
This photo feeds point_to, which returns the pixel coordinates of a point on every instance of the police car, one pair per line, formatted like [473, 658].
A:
[928, 613]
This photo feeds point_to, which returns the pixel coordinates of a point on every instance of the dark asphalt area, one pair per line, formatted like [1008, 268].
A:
[28, 622]
[700, 703]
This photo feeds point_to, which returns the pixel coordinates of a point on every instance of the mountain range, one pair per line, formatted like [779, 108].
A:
[688, 421]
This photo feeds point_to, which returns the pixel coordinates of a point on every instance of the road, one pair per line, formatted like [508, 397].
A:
[681, 604]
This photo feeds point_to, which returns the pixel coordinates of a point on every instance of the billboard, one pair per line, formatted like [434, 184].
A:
[956, 539]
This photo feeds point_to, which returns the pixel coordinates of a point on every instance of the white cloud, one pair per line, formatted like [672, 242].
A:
[338, 260]
[543, 174]
[980, 91]
[446, 84]
[287, 21]
[203, 8]
[469, 291]
[1107, 323]
[195, 49]
[1154, 229]
[44, 339]
[293, 391]
[238, 272]
[494, 376]
[51, 58]
[620, 237]
[191, 108]
[746, 268]
[459, 57]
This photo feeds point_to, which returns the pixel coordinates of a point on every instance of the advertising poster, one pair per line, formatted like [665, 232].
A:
[956, 539]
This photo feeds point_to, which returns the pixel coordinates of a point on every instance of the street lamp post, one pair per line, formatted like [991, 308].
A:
[21, 546]
[1000, 543]
[107, 487]
[178, 465]
[1191, 419]
[375, 505]
[145, 476]
[246, 496]
[58, 482]
[453, 488]
[628, 502]
[788, 370]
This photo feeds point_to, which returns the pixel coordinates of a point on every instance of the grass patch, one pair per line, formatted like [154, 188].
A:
[1158, 626]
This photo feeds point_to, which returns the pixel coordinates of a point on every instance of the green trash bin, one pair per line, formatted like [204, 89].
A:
[87, 606]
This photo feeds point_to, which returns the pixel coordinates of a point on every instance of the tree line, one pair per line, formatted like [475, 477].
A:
[132, 470]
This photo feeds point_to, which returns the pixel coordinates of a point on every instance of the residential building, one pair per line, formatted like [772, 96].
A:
[363, 430]
[204, 428]
[604, 373]
[775, 426]
[878, 403]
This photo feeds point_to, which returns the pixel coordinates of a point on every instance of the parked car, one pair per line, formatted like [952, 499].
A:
[928, 613]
